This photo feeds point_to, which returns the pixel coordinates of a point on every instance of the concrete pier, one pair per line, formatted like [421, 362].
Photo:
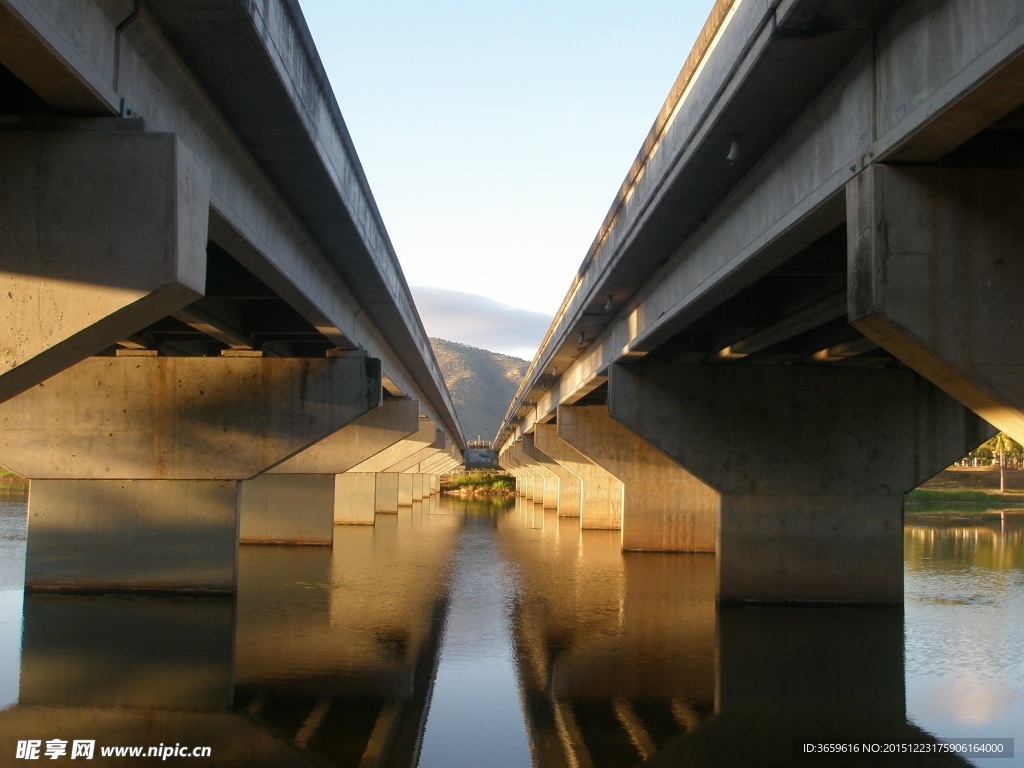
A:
[547, 480]
[387, 466]
[299, 500]
[601, 494]
[811, 495]
[569, 486]
[136, 461]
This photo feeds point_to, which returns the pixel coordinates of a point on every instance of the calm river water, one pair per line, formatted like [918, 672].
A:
[477, 634]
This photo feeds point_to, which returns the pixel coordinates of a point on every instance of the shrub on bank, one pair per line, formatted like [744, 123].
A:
[479, 482]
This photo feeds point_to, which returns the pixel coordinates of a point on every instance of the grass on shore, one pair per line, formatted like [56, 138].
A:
[968, 491]
[479, 482]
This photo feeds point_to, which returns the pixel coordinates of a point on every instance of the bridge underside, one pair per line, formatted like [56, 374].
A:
[809, 331]
[205, 325]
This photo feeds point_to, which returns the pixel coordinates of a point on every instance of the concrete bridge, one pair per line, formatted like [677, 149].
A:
[803, 302]
[206, 331]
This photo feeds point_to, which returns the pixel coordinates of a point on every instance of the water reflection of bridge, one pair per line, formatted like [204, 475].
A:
[327, 657]
[625, 659]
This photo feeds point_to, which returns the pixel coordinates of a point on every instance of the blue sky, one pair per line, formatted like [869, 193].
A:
[495, 136]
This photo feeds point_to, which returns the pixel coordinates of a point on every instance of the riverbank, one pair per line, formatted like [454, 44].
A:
[478, 482]
[969, 492]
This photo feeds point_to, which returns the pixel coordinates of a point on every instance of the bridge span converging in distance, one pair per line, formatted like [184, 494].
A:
[803, 301]
[207, 334]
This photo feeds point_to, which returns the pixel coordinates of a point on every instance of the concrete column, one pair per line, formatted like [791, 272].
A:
[101, 234]
[936, 276]
[355, 498]
[811, 465]
[384, 465]
[386, 492]
[271, 509]
[530, 480]
[547, 480]
[664, 507]
[405, 489]
[601, 493]
[135, 461]
[288, 509]
[569, 486]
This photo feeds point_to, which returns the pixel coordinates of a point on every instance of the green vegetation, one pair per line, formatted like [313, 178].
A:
[479, 482]
[11, 481]
[481, 384]
[970, 490]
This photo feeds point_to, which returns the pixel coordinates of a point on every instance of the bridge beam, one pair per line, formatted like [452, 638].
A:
[300, 500]
[569, 486]
[380, 468]
[601, 493]
[101, 234]
[811, 465]
[936, 276]
[664, 507]
[136, 461]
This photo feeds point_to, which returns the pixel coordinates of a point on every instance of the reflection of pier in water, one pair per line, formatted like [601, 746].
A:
[327, 657]
[624, 660]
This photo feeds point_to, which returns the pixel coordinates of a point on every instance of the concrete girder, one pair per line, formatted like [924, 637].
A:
[135, 461]
[809, 466]
[935, 278]
[101, 234]
[937, 73]
[384, 460]
[181, 418]
[300, 500]
[363, 439]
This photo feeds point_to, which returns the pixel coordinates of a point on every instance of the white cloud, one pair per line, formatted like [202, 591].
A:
[480, 322]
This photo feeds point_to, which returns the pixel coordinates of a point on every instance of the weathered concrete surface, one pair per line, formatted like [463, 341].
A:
[299, 501]
[143, 535]
[386, 492]
[385, 460]
[601, 492]
[288, 509]
[664, 507]
[355, 498]
[367, 435]
[530, 485]
[935, 277]
[569, 486]
[811, 493]
[547, 481]
[181, 418]
[101, 234]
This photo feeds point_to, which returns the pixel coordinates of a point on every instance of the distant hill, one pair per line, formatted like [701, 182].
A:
[481, 384]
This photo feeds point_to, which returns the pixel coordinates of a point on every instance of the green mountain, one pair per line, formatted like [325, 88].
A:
[481, 384]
